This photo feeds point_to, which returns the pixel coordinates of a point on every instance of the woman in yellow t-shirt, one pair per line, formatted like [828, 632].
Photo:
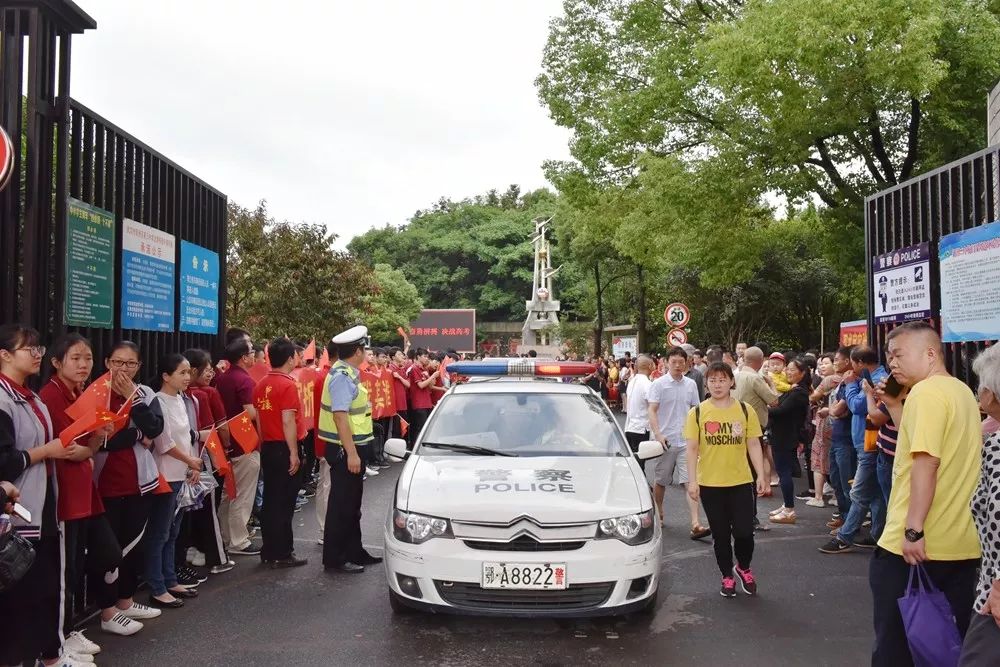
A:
[720, 434]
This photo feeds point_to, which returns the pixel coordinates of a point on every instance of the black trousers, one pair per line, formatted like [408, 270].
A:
[280, 492]
[308, 449]
[888, 575]
[385, 425]
[418, 417]
[634, 440]
[982, 642]
[342, 532]
[30, 610]
[730, 511]
[91, 549]
[127, 517]
[204, 531]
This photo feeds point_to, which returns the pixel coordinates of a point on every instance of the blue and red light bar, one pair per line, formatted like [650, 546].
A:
[521, 368]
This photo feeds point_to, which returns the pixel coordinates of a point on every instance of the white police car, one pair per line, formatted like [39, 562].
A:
[522, 498]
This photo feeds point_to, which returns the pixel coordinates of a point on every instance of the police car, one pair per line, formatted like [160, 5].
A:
[521, 497]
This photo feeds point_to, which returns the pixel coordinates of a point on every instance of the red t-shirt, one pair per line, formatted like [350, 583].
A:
[78, 497]
[274, 394]
[398, 390]
[437, 394]
[420, 399]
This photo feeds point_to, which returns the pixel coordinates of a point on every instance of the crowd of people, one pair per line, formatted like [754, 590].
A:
[896, 453]
[178, 475]
[166, 482]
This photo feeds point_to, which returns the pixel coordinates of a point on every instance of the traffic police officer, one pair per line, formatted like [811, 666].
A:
[345, 422]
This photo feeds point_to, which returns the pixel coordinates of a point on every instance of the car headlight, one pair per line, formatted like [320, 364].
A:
[631, 529]
[418, 528]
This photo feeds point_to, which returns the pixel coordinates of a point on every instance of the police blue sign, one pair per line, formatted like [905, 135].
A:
[199, 289]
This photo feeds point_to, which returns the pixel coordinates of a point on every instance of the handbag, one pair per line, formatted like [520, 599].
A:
[16, 556]
[930, 625]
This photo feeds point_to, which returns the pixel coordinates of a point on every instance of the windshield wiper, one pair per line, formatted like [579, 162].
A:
[471, 449]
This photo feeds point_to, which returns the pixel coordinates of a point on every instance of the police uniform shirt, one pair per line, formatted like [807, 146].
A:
[342, 392]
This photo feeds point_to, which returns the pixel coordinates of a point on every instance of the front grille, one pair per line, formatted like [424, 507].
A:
[523, 543]
[472, 596]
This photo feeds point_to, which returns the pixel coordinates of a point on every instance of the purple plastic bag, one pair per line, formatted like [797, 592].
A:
[930, 625]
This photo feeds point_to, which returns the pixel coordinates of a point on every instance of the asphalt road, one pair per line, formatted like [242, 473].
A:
[813, 609]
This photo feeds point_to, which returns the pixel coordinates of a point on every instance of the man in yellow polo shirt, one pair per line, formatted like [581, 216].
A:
[934, 475]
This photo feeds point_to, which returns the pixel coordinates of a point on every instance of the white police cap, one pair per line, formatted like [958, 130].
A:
[358, 334]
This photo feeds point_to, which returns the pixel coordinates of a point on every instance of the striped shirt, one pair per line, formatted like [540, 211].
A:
[887, 434]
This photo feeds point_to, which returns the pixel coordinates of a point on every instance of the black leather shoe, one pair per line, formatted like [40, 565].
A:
[160, 604]
[291, 561]
[368, 559]
[348, 568]
[182, 592]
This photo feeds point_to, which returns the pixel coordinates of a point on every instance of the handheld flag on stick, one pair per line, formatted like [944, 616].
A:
[94, 397]
[86, 424]
[243, 431]
[214, 447]
[404, 426]
[324, 361]
[310, 351]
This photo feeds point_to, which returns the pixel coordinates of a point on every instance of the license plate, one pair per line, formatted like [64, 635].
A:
[524, 576]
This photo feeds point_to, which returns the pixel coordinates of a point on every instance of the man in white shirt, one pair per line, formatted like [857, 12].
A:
[670, 399]
[636, 408]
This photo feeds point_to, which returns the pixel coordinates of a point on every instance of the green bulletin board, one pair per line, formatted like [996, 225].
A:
[90, 266]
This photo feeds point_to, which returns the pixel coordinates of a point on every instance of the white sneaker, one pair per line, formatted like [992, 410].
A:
[122, 625]
[224, 567]
[371, 471]
[66, 661]
[320, 541]
[833, 502]
[198, 559]
[777, 511]
[140, 611]
[78, 644]
[813, 502]
[82, 658]
[827, 489]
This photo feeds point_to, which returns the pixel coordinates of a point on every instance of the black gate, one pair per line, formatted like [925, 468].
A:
[65, 150]
[953, 198]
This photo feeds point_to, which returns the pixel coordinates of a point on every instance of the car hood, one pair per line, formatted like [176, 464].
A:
[499, 489]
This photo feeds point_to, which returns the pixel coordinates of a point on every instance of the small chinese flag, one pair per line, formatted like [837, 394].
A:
[243, 431]
[402, 332]
[94, 397]
[310, 352]
[214, 447]
[324, 360]
[162, 486]
[404, 425]
[85, 424]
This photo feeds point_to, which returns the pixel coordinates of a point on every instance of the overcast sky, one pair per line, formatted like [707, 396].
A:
[351, 113]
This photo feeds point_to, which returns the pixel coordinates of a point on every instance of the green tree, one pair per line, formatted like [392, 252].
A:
[288, 279]
[469, 254]
[827, 98]
[395, 304]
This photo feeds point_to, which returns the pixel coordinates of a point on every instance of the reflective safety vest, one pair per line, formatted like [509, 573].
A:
[359, 413]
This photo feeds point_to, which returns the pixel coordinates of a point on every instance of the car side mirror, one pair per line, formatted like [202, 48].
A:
[649, 449]
[395, 448]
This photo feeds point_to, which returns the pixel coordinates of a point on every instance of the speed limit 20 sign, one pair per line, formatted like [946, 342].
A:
[677, 315]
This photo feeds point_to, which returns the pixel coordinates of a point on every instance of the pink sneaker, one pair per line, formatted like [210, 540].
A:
[747, 582]
[728, 588]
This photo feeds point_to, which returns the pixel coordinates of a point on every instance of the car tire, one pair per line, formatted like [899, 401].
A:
[397, 604]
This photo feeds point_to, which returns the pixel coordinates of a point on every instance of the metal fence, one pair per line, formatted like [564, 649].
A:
[113, 170]
[952, 198]
[63, 149]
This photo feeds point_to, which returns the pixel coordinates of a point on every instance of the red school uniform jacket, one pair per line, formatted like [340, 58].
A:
[78, 497]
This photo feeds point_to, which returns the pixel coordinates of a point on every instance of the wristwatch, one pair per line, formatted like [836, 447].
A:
[913, 535]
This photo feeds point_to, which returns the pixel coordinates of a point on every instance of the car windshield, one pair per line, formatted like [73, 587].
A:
[528, 424]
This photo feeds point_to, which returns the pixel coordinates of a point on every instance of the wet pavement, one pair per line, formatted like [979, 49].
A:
[813, 609]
